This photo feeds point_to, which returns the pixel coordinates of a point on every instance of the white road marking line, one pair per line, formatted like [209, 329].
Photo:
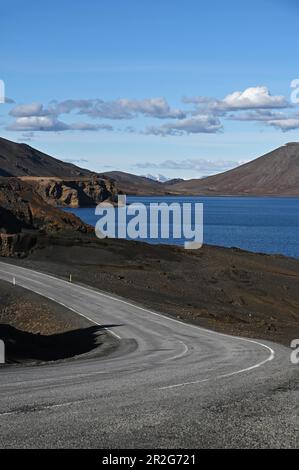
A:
[235, 338]
[68, 307]
[81, 314]
[230, 374]
[94, 291]
[178, 356]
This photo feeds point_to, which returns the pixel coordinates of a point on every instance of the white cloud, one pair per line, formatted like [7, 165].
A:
[288, 124]
[255, 104]
[201, 166]
[86, 126]
[28, 110]
[278, 120]
[257, 115]
[251, 98]
[200, 124]
[37, 123]
[119, 109]
[52, 124]
[35, 117]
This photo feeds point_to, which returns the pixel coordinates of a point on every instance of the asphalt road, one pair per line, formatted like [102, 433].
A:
[168, 384]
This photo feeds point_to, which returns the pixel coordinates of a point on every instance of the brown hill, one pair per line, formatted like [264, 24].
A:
[59, 183]
[276, 173]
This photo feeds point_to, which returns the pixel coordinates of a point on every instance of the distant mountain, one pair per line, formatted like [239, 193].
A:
[276, 173]
[23, 160]
[130, 184]
[174, 181]
[160, 178]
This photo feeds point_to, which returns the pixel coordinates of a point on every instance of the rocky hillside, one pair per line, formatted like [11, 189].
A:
[23, 160]
[24, 214]
[276, 173]
[58, 183]
[61, 183]
[79, 192]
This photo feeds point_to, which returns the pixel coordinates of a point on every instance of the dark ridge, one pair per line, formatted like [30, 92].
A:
[23, 160]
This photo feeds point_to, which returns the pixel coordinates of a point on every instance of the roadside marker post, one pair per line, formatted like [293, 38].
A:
[2, 352]
[13, 281]
[71, 278]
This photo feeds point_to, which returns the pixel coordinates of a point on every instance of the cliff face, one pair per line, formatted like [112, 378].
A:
[32, 187]
[83, 192]
[24, 214]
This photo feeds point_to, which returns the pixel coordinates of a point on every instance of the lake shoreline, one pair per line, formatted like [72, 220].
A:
[267, 225]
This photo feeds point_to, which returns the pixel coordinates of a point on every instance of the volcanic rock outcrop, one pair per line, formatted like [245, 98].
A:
[24, 215]
[82, 192]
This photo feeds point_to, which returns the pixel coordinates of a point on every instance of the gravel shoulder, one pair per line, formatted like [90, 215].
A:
[37, 330]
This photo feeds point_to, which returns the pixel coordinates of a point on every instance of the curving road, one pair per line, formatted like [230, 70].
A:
[168, 384]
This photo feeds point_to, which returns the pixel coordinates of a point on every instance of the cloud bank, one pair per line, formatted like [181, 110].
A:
[198, 115]
[201, 166]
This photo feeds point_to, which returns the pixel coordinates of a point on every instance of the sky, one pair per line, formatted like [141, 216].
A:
[181, 89]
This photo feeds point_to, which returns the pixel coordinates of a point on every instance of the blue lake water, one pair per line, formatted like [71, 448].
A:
[259, 224]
